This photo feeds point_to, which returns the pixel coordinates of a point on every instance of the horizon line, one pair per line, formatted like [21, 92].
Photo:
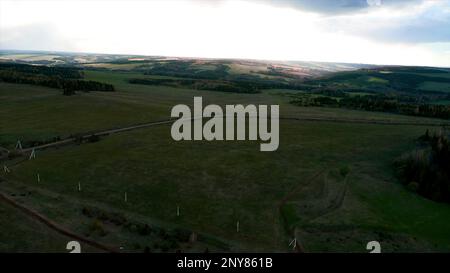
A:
[215, 58]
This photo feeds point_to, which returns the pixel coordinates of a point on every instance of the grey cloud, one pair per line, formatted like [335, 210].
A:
[429, 26]
[432, 25]
[331, 7]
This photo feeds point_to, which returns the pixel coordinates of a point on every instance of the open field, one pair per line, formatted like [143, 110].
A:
[39, 113]
[25, 234]
[300, 190]
[236, 176]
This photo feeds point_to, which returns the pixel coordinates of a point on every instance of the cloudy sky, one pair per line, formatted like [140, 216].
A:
[408, 32]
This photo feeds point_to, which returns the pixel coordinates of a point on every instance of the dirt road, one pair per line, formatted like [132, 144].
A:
[54, 226]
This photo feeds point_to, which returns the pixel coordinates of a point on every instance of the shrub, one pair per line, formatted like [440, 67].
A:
[344, 171]
[144, 229]
[180, 234]
[14, 154]
[97, 227]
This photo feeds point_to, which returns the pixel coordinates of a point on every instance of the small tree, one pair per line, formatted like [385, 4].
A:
[68, 91]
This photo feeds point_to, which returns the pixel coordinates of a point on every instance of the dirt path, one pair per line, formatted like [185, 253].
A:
[99, 133]
[336, 203]
[167, 121]
[54, 226]
[296, 189]
[298, 247]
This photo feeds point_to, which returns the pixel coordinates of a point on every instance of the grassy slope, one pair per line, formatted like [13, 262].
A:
[39, 113]
[20, 233]
[236, 182]
[413, 79]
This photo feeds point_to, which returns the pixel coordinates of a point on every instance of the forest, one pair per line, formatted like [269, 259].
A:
[67, 79]
[427, 169]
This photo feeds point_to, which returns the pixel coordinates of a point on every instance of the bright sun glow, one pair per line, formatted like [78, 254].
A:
[226, 29]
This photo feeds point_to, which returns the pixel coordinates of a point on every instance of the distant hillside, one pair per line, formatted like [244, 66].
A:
[418, 91]
[390, 79]
[265, 69]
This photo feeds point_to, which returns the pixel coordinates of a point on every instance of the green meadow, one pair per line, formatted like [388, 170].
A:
[330, 184]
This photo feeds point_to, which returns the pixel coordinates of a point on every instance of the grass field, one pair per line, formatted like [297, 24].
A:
[215, 184]
[27, 235]
[435, 86]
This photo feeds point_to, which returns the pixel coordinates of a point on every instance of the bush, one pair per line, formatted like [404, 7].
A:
[413, 186]
[93, 138]
[181, 235]
[144, 229]
[344, 171]
[14, 154]
[87, 212]
[97, 227]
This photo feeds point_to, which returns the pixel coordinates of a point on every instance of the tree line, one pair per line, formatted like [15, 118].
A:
[67, 79]
[427, 169]
[63, 72]
[380, 103]
[211, 85]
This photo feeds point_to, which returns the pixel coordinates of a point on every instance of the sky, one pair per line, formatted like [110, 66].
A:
[401, 32]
